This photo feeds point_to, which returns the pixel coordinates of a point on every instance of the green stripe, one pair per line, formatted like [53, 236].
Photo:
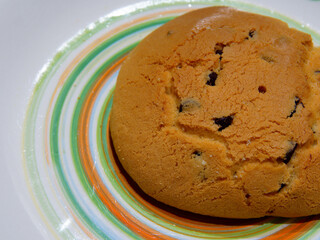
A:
[30, 161]
[54, 139]
[313, 231]
[42, 83]
[75, 151]
[56, 121]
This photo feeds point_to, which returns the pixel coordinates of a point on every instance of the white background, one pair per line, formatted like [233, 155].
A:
[31, 32]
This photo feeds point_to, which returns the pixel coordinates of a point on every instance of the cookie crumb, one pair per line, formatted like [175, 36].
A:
[169, 33]
[267, 59]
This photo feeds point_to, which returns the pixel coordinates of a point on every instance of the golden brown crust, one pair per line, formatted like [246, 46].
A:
[217, 113]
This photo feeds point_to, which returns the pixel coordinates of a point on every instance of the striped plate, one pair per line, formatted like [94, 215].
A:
[71, 172]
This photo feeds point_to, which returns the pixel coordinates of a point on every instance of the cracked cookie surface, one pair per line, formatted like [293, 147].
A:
[217, 113]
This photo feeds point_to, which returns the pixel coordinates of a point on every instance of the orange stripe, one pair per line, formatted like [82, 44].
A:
[294, 231]
[101, 190]
[88, 164]
[72, 65]
[104, 194]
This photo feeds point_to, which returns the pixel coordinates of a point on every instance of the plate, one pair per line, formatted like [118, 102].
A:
[72, 176]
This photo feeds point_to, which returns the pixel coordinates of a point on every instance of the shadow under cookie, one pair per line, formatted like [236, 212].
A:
[198, 218]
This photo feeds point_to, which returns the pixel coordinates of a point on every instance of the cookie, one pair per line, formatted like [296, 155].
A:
[217, 113]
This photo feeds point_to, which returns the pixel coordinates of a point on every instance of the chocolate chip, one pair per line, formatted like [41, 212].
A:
[296, 103]
[188, 105]
[219, 51]
[252, 33]
[296, 100]
[196, 153]
[282, 186]
[212, 79]
[248, 195]
[218, 48]
[262, 89]
[289, 154]
[223, 122]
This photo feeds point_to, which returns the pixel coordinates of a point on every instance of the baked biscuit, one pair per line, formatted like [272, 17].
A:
[217, 113]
